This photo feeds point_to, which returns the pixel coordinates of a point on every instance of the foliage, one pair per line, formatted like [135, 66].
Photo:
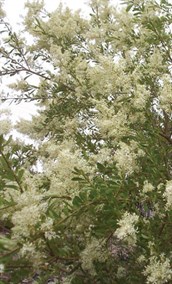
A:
[91, 200]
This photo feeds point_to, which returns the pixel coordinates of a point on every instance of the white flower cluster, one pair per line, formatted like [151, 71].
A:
[2, 13]
[127, 231]
[28, 210]
[113, 125]
[158, 271]
[94, 251]
[47, 228]
[34, 9]
[64, 23]
[141, 96]
[67, 280]
[60, 171]
[2, 268]
[5, 121]
[147, 187]
[107, 76]
[30, 251]
[166, 94]
[156, 62]
[104, 154]
[126, 157]
[121, 272]
[26, 219]
[168, 194]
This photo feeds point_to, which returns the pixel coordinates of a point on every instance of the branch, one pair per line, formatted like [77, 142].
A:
[25, 98]
[9, 253]
[54, 196]
[21, 67]
[166, 137]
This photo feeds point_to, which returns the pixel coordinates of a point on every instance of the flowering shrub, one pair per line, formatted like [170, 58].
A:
[89, 200]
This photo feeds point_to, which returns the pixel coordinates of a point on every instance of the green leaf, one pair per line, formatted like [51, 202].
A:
[100, 167]
[83, 195]
[129, 7]
[93, 194]
[20, 174]
[77, 201]
[77, 179]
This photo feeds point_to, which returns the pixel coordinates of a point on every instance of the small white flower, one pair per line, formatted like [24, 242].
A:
[1, 268]
[147, 187]
[121, 272]
[168, 194]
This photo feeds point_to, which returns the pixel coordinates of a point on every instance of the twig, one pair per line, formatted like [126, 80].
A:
[166, 137]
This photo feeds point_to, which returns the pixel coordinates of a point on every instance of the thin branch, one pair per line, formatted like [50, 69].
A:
[9, 253]
[58, 197]
[166, 137]
[26, 98]
[6, 207]
[21, 68]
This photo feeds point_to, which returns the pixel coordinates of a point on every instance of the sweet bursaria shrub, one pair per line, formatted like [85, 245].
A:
[89, 200]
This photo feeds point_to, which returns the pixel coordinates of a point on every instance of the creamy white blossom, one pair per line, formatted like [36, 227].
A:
[159, 270]
[27, 218]
[127, 230]
[5, 121]
[104, 154]
[147, 187]
[30, 252]
[126, 157]
[165, 96]
[121, 272]
[168, 194]
[2, 267]
[141, 96]
[155, 63]
[47, 228]
[94, 251]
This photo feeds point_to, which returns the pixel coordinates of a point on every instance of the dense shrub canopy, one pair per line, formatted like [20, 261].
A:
[90, 201]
